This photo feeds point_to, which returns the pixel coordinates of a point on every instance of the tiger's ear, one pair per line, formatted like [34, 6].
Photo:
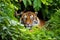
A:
[36, 13]
[17, 14]
[21, 13]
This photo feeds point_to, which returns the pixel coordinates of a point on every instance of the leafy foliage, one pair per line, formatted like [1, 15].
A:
[54, 24]
[11, 29]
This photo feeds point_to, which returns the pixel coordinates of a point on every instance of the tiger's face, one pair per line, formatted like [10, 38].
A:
[29, 19]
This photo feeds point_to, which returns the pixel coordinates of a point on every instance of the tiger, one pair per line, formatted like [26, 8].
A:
[30, 19]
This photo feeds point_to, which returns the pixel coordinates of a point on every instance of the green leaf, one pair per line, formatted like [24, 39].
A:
[29, 1]
[37, 5]
[25, 2]
[44, 2]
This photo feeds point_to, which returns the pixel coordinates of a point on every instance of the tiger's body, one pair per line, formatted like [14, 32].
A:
[30, 19]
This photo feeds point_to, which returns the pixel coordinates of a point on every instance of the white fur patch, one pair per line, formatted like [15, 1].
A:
[31, 16]
[25, 16]
[36, 22]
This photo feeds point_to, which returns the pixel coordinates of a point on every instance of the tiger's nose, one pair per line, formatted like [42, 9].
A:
[28, 24]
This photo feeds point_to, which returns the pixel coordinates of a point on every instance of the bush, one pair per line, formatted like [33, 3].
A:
[11, 29]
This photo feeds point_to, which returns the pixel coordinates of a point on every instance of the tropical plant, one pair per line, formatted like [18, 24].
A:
[11, 29]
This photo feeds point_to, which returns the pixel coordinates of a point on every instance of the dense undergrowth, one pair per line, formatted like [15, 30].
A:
[11, 29]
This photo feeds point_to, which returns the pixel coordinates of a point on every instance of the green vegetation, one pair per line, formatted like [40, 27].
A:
[10, 29]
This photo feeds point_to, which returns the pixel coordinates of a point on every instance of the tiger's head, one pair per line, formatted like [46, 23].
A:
[29, 19]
